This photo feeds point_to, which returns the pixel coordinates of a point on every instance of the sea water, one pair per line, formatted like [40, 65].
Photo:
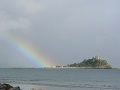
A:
[62, 79]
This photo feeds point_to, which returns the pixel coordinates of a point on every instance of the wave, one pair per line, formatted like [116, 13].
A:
[58, 84]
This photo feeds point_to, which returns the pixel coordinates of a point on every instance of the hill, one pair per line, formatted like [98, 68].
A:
[95, 62]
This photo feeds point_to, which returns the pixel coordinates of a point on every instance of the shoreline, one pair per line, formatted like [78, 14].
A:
[71, 87]
[62, 68]
[78, 68]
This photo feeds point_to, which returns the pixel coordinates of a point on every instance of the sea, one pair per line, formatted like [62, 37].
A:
[61, 78]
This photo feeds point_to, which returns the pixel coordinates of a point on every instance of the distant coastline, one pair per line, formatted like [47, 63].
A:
[94, 63]
[62, 67]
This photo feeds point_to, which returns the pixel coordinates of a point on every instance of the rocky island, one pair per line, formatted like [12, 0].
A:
[94, 63]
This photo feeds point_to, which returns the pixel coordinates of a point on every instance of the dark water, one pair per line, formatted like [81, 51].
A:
[88, 79]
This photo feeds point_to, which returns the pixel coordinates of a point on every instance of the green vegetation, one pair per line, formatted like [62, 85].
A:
[95, 62]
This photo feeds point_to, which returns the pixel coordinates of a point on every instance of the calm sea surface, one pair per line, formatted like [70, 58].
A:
[64, 79]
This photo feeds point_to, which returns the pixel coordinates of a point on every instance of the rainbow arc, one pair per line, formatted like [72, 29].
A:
[29, 52]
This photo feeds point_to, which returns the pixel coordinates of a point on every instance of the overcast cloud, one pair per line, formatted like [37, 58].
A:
[67, 31]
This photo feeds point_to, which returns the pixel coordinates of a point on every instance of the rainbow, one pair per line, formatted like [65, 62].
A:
[29, 52]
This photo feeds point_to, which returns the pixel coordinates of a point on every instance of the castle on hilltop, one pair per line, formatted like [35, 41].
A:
[97, 58]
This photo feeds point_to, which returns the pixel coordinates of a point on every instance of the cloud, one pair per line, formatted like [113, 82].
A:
[7, 24]
[12, 17]
[30, 6]
[18, 16]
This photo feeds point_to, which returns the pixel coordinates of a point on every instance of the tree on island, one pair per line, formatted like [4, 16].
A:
[95, 62]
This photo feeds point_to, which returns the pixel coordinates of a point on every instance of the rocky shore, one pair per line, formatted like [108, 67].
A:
[8, 87]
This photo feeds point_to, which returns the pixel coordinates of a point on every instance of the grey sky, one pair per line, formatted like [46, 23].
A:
[66, 30]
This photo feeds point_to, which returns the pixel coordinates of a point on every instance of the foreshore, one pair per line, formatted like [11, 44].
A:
[60, 86]
[44, 87]
[39, 87]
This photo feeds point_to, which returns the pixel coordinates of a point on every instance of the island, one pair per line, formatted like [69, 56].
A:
[94, 63]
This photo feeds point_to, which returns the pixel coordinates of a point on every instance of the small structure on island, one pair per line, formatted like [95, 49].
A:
[97, 58]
